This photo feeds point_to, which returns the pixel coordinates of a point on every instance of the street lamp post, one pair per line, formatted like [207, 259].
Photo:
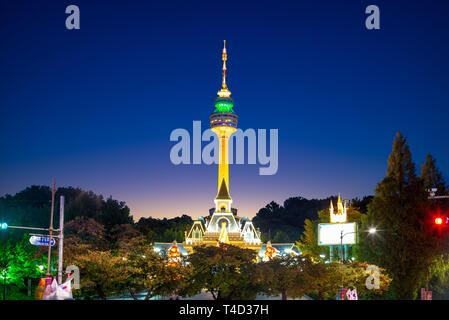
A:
[371, 231]
[53, 191]
[341, 259]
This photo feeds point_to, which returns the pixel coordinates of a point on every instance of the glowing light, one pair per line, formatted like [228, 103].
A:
[270, 252]
[223, 106]
[157, 249]
[372, 230]
[41, 267]
[174, 255]
[4, 225]
[224, 93]
[438, 221]
[340, 216]
[224, 238]
[322, 256]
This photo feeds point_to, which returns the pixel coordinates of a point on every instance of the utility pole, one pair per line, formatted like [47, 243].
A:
[61, 238]
[371, 231]
[432, 196]
[53, 191]
[341, 264]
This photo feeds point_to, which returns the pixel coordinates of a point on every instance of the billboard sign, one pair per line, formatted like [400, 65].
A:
[329, 234]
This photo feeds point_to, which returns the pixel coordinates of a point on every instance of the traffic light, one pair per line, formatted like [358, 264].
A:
[441, 221]
[4, 226]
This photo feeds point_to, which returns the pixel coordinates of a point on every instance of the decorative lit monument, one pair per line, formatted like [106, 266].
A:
[339, 232]
[223, 225]
[340, 216]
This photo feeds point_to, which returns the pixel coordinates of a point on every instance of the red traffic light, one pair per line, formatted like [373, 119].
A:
[438, 221]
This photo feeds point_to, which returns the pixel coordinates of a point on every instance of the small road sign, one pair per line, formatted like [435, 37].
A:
[41, 241]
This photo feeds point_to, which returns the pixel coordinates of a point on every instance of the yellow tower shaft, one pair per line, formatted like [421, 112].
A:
[223, 134]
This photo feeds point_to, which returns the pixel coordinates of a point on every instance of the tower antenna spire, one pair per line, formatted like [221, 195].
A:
[224, 92]
[224, 58]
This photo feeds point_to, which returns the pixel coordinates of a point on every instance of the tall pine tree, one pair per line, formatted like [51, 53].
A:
[405, 242]
[432, 176]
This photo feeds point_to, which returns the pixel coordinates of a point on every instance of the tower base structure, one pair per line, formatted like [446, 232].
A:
[207, 231]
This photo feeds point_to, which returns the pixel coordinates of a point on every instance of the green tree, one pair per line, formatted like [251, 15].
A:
[164, 230]
[438, 275]
[114, 213]
[126, 237]
[17, 264]
[325, 280]
[80, 203]
[288, 218]
[308, 244]
[361, 205]
[432, 176]
[280, 236]
[355, 276]
[285, 276]
[102, 273]
[404, 244]
[150, 271]
[158, 277]
[227, 272]
[31, 207]
[81, 234]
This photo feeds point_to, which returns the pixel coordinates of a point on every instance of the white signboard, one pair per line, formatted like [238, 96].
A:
[329, 234]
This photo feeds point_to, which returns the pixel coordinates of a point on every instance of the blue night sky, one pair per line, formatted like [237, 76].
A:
[95, 107]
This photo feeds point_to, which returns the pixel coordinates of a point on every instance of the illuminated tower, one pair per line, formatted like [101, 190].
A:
[223, 225]
[223, 122]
